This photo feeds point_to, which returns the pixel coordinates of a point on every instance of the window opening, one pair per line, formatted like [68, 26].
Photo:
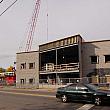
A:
[107, 58]
[94, 59]
[31, 65]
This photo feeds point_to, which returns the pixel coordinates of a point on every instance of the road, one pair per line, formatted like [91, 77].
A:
[39, 100]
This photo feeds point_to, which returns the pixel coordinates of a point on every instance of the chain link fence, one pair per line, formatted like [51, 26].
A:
[48, 83]
[103, 82]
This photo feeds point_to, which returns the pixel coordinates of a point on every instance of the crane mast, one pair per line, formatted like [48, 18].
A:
[32, 26]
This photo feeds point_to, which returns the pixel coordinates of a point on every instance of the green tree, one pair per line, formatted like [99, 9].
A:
[2, 70]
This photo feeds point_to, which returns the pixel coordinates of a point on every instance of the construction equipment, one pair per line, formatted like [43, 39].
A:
[32, 26]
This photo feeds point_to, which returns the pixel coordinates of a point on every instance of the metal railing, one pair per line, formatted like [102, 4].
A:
[62, 67]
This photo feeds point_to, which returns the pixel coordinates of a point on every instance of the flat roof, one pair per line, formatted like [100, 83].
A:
[96, 41]
[60, 39]
[26, 52]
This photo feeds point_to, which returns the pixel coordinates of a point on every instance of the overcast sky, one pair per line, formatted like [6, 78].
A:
[89, 18]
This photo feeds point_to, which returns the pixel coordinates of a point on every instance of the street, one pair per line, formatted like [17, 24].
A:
[39, 100]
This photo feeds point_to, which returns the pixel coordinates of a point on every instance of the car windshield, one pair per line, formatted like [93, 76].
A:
[92, 87]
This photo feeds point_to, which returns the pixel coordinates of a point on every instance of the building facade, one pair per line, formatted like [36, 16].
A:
[61, 59]
[67, 58]
[96, 58]
[27, 68]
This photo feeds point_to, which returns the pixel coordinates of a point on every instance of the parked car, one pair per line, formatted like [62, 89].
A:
[83, 92]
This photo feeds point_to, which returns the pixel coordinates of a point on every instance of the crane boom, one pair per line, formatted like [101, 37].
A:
[32, 26]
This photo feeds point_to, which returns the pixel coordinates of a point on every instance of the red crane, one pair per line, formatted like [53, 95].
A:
[32, 26]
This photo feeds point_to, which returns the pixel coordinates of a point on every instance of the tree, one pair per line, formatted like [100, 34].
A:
[2, 70]
[10, 69]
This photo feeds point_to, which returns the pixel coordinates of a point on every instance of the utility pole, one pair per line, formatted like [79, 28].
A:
[56, 68]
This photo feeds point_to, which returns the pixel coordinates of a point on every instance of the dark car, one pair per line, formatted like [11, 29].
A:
[83, 92]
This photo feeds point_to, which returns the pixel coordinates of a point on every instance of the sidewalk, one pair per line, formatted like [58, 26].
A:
[47, 88]
[48, 93]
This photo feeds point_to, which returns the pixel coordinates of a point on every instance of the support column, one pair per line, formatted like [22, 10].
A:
[56, 71]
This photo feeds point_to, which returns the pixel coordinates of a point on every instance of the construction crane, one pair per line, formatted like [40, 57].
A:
[32, 26]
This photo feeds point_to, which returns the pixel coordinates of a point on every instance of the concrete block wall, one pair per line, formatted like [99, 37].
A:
[27, 57]
[98, 48]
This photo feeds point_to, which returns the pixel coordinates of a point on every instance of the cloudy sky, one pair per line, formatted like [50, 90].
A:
[89, 18]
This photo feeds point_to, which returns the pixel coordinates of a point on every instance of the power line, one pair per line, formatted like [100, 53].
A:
[1, 1]
[8, 7]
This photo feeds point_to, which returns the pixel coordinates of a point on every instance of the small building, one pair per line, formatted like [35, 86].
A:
[27, 69]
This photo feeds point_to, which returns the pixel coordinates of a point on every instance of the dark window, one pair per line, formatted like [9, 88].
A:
[31, 65]
[31, 81]
[107, 58]
[94, 59]
[68, 55]
[23, 66]
[47, 57]
[22, 81]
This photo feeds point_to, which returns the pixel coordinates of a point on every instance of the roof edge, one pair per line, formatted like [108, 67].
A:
[96, 41]
[60, 39]
[26, 52]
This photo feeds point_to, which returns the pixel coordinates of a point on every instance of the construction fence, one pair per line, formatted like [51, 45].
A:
[64, 81]
[100, 81]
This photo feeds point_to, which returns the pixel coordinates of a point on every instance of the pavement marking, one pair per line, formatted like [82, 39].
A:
[42, 95]
[85, 107]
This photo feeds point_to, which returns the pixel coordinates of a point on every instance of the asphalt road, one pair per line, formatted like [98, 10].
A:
[39, 100]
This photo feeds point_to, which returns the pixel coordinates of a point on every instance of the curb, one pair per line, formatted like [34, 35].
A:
[30, 89]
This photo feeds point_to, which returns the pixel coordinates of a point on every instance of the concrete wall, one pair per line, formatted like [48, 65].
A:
[99, 48]
[26, 74]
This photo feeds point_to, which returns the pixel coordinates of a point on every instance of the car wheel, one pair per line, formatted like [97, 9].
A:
[64, 98]
[97, 101]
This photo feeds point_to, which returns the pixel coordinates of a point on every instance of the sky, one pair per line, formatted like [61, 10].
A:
[89, 18]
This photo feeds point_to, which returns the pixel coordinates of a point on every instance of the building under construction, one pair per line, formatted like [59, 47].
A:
[70, 57]
[65, 58]
[61, 59]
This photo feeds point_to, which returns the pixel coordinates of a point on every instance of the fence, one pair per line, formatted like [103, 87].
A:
[63, 81]
[100, 81]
